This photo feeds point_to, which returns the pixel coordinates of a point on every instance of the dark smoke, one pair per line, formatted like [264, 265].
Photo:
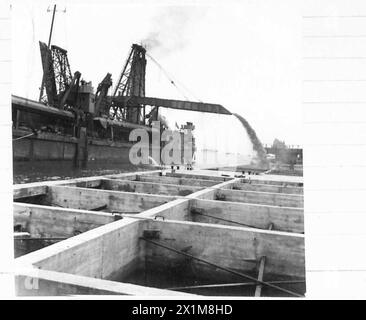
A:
[168, 30]
[257, 145]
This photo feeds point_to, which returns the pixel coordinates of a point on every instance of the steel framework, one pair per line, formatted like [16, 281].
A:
[131, 82]
[57, 74]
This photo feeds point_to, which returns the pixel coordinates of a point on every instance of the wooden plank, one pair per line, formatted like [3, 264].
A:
[86, 199]
[147, 187]
[260, 216]
[262, 263]
[258, 288]
[231, 247]
[45, 221]
[267, 198]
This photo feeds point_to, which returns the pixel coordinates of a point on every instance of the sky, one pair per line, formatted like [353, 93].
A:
[245, 55]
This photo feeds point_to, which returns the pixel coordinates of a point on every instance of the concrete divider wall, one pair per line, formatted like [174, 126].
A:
[266, 188]
[87, 199]
[36, 282]
[148, 187]
[193, 175]
[273, 199]
[46, 221]
[259, 216]
[175, 210]
[114, 250]
[230, 247]
[106, 252]
[280, 181]
[176, 180]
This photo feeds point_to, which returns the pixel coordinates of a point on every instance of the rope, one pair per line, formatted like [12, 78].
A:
[172, 81]
[28, 135]
[226, 220]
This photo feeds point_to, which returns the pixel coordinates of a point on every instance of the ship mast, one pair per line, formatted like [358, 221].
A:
[49, 44]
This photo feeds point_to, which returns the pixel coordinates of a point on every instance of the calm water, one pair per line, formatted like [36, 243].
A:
[33, 171]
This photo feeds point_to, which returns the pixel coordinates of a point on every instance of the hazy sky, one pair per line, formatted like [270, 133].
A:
[245, 55]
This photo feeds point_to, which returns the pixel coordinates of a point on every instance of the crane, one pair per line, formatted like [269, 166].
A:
[131, 83]
[62, 87]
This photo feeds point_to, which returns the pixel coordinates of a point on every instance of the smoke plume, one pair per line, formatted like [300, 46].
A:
[170, 29]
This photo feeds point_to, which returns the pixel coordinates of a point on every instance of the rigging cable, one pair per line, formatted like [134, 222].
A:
[27, 135]
[172, 81]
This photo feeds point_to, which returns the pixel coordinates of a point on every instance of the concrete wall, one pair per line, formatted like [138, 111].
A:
[107, 252]
[266, 188]
[36, 282]
[231, 247]
[259, 216]
[114, 250]
[87, 199]
[275, 180]
[177, 181]
[148, 187]
[266, 198]
[46, 221]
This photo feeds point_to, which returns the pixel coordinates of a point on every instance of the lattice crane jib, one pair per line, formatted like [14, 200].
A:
[131, 83]
[57, 75]
[63, 75]
[49, 82]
